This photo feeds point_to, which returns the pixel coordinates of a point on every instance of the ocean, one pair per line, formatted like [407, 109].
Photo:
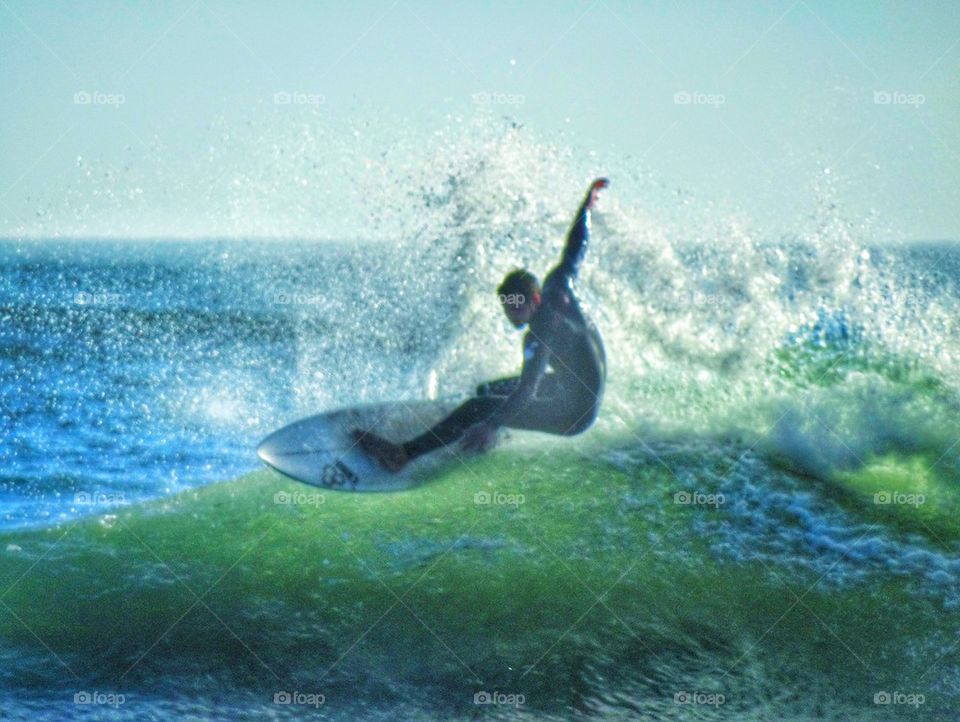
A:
[763, 523]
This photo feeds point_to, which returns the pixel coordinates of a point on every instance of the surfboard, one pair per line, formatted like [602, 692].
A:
[321, 451]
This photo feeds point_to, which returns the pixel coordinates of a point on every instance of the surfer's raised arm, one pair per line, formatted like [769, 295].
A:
[579, 234]
[536, 353]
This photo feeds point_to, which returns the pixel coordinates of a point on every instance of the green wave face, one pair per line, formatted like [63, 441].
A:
[559, 585]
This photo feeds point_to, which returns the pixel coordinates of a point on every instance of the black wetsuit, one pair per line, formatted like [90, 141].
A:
[564, 365]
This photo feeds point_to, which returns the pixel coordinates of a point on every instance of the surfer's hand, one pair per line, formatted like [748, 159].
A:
[479, 437]
[595, 188]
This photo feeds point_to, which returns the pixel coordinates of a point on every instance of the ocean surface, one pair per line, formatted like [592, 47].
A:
[763, 524]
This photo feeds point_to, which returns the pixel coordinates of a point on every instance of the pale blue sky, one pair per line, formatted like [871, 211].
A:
[778, 91]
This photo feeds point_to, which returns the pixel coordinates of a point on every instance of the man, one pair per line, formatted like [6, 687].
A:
[564, 366]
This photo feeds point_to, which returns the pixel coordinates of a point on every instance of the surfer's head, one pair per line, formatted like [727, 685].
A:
[519, 294]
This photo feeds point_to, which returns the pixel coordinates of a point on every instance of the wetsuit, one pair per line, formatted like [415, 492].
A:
[564, 365]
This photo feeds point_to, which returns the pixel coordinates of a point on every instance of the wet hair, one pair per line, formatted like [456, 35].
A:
[517, 287]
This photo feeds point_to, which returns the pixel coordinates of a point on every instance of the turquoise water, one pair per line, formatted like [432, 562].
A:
[761, 525]
[588, 592]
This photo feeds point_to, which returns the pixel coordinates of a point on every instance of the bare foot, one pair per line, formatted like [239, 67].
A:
[391, 456]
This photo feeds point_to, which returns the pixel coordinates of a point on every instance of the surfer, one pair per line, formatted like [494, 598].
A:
[561, 383]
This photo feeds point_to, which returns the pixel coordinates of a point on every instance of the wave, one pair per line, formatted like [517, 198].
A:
[421, 600]
[711, 326]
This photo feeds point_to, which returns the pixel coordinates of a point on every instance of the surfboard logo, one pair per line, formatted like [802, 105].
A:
[337, 476]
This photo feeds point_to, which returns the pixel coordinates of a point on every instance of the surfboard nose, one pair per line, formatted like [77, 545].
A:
[267, 450]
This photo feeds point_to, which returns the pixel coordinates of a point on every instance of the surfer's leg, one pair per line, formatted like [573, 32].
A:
[395, 456]
[389, 455]
[498, 387]
[489, 397]
[451, 428]
[562, 414]
[506, 386]
[558, 412]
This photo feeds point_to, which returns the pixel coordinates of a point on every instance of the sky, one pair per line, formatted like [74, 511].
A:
[122, 118]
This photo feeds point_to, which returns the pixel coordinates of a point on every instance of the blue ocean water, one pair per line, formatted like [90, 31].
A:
[807, 386]
[132, 370]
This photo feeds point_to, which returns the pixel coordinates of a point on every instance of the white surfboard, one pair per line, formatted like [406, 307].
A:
[320, 450]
